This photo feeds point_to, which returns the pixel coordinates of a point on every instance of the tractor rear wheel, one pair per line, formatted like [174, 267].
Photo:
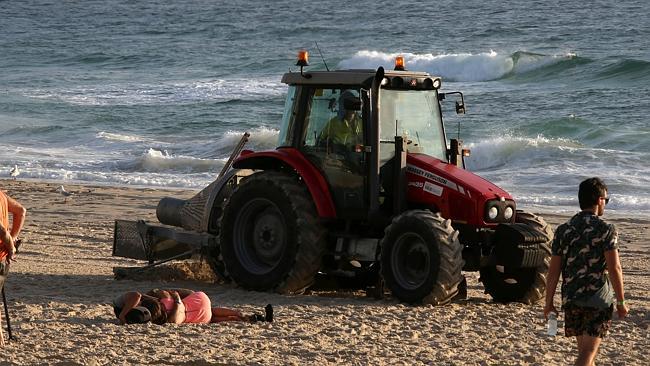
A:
[271, 237]
[214, 258]
[421, 258]
[525, 285]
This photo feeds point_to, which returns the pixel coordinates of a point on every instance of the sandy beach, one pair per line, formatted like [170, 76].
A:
[60, 289]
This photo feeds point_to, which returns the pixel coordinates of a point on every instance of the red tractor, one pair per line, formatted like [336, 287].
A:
[363, 187]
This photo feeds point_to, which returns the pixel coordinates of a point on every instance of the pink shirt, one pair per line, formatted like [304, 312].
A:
[197, 307]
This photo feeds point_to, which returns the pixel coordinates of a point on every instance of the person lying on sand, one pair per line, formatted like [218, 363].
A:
[177, 306]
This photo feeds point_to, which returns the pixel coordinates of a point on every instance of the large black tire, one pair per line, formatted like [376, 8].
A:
[270, 236]
[421, 258]
[214, 258]
[525, 285]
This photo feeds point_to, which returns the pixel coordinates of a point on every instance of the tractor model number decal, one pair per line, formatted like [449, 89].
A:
[430, 176]
[434, 189]
[416, 184]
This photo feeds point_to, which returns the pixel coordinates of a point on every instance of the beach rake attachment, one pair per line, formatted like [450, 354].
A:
[157, 244]
[186, 226]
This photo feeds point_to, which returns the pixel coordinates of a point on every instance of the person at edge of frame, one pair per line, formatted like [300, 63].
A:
[8, 237]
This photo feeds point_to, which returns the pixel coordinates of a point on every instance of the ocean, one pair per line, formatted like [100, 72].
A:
[157, 93]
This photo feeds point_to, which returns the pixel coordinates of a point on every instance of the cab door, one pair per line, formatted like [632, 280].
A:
[337, 153]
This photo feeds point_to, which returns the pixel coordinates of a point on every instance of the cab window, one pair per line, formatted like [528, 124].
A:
[285, 137]
[334, 118]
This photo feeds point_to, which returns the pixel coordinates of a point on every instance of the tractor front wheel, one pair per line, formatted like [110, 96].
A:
[271, 237]
[421, 259]
[525, 285]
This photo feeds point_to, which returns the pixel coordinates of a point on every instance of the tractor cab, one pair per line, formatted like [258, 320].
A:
[353, 125]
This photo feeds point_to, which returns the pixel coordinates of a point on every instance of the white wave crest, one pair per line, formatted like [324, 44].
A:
[505, 150]
[119, 137]
[262, 138]
[161, 161]
[455, 67]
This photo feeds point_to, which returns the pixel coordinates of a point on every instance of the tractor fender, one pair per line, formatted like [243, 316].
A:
[215, 192]
[291, 158]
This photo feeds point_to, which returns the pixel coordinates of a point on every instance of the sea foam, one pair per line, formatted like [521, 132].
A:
[119, 137]
[188, 92]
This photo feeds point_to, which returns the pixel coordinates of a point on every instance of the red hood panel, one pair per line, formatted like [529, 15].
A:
[453, 177]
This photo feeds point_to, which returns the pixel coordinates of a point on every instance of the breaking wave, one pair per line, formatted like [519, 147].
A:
[463, 66]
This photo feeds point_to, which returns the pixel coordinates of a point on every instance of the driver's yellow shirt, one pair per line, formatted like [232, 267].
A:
[344, 132]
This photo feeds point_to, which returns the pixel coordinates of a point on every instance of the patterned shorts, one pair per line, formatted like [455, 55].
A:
[580, 320]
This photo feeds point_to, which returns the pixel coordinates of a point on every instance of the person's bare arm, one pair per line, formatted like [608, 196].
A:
[616, 277]
[18, 212]
[182, 292]
[160, 294]
[163, 294]
[131, 300]
[177, 315]
[552, 278]
[7, 240]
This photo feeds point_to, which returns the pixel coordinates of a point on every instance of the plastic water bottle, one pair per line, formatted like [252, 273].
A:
[552, 324]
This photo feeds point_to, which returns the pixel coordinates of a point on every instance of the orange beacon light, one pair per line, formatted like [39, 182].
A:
[303, 58]
[399, 63]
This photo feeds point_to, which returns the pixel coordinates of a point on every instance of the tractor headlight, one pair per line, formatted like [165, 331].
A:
[493, 212]
[499, 210]
[436, 83]
[507, 213]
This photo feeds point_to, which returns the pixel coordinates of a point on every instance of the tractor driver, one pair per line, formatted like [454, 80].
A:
[346, 128]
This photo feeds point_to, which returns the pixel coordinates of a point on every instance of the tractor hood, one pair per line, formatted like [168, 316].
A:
[457, 193]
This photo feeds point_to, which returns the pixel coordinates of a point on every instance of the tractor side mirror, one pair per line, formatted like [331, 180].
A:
[460, 104]
[460, 107]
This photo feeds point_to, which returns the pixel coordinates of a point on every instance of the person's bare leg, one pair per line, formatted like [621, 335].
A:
[579, 342]
[219, 319]
[223, 315]
[587, 350]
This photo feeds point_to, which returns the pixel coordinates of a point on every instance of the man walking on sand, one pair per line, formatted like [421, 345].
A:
[584, 250]
[8, 236]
